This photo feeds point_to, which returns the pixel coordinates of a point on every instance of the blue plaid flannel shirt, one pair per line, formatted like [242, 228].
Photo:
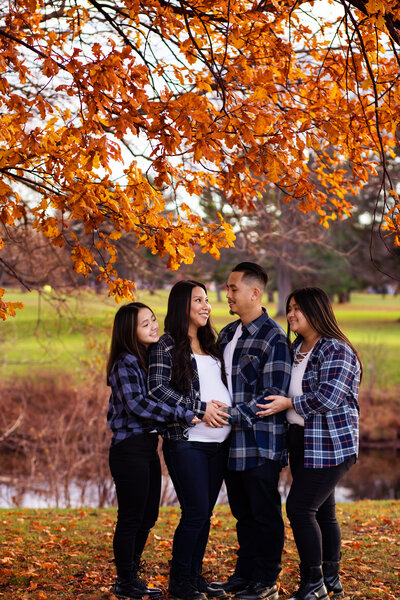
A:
[130, 410]
[261, 366]
[329, 404]
[159, 377]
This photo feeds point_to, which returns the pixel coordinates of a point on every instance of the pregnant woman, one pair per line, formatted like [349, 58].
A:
[187, 366]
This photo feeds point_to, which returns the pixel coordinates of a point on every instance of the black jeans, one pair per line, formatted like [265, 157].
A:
[197, 470]
[310, 505]
[256, 504]
[135, 468]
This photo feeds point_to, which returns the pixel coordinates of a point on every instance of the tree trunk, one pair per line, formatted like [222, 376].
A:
[283, 285]
[344, 297]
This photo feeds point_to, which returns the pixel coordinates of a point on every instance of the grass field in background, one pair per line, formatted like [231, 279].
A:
[59, 333]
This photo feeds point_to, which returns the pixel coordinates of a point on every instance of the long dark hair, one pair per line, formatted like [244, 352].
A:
[316, 306]
[177, 325]
[124, 335]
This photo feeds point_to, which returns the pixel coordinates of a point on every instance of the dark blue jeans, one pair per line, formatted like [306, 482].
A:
[310, 505]
[135, 468]
[256, 504]
[197, 470]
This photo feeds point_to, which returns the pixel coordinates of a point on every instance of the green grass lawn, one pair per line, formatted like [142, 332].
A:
[61, 332]
[67, 554]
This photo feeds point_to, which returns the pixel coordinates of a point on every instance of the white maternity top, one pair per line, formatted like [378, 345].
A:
[211, 388]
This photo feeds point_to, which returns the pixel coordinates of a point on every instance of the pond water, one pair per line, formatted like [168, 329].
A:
[376, 476]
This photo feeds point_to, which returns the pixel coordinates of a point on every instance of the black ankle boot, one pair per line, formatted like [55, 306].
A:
[130, 586]
[182, 587]
[202, 585]
[140, 584]
[312, 585]
[330, 570]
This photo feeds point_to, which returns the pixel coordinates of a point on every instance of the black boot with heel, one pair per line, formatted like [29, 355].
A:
[312, 585]
[332, 581]
[129, 586]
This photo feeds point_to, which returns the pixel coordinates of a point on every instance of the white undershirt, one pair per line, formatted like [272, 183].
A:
[296, 387]
[228, 356]
[211, 388]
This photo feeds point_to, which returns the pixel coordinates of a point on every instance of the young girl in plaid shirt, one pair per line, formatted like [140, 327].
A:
[135, 420]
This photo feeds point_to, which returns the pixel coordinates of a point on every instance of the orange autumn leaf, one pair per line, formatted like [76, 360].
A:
[8, 309]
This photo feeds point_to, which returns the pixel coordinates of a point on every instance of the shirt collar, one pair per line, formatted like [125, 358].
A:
[255, 325]
[316, 346]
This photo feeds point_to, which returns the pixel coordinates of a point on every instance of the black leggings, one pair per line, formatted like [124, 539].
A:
[310, 505]
[135, 468]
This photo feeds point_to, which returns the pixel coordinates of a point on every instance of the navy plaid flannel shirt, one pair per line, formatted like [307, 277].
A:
[329, 404]
[130, 410]
[159, 377]
[261, 366]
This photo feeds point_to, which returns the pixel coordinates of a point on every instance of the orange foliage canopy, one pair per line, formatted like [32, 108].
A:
[107, 108]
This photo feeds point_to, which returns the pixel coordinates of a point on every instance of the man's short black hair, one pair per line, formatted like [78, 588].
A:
[252, 271]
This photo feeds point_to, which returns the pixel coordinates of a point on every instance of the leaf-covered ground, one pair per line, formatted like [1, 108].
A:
[67, 554]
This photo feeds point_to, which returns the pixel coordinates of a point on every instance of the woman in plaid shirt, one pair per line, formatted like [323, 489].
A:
[186, 366]
[134, 463]
[323, 414]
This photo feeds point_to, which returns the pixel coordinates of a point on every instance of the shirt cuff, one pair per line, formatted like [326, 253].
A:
[202, 410]
[189, 416]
